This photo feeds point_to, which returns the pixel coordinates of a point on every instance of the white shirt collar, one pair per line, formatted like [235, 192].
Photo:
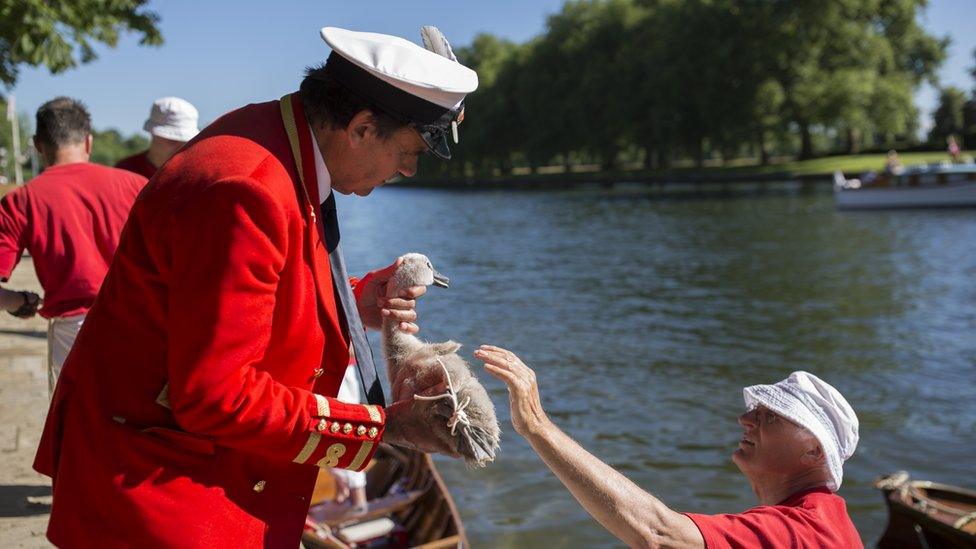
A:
[321, 171]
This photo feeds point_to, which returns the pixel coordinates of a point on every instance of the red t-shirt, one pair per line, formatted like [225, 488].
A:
[811, 518]
[138, 163]
[70, 218]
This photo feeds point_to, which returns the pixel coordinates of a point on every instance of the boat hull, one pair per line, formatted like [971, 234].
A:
[946, 196]
[954, 187]
[924, 514]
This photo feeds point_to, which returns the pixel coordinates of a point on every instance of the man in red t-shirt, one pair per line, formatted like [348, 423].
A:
[796, 436]
[172, 122]
[69, 218]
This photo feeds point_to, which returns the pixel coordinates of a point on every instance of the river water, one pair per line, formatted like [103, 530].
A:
[644, 318]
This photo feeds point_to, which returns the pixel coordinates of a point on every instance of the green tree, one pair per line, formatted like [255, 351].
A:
[891, 111]
[835, 59]
[110, 146]
[489, 119]
[680, 79]
[591, 39]
[969, 112]
[768, 123]
[6, 144]
[948, 116]
[58, 35]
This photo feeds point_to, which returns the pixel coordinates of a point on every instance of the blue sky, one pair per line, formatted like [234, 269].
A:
[220, 55]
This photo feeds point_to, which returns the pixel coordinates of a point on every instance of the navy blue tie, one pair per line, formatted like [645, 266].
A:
[331, 223]
[347, 304]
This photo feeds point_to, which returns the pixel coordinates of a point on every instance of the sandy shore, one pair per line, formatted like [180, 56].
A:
[25, 496]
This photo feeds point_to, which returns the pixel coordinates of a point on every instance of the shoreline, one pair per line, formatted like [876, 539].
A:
[610, 180]
[808, 174]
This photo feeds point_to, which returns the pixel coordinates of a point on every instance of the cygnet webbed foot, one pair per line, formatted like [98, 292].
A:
[477, 445]
[467, 413]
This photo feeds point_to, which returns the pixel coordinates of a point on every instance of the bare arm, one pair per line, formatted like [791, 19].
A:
[19, 304]
[636, 517]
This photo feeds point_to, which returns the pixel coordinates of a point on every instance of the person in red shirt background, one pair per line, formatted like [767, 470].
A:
[69, 218]
[797, 434]
[172, 122]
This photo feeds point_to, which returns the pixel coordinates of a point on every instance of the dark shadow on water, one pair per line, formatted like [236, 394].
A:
[19, 500]
[36, 334]
[691, 195]
[663, 191]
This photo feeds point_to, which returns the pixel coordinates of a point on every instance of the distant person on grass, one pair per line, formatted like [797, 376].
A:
[172, 122]
[893, 164]
[953, 148]
[796, 436]
[69, 218]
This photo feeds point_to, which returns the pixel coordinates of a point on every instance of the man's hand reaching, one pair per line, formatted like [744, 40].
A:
[414, 424]
[374, 305]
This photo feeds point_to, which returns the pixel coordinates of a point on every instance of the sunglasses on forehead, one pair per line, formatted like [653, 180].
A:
[435, 134]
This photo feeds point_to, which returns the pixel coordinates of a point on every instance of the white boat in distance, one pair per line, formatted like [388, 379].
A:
[933, 186]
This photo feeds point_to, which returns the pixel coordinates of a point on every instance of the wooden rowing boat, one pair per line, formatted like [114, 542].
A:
[409, 506]
[926, 514]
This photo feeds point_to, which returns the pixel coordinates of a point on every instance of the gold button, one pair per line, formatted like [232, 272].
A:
[321, 425]
[259, 486]
[318, 373]
[347, 428]
[361, 430]
[373, 432]
[335, 427]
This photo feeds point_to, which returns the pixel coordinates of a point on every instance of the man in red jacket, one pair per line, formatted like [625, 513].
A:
[196, 407]
[69, 218]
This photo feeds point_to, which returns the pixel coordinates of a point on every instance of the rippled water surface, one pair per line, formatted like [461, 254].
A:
[644, 318]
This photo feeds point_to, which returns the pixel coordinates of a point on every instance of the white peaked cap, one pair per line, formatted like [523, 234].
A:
[408, 81]
[815, 405]
[404, 65]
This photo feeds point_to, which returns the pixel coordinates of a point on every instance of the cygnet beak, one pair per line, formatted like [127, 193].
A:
[441, 281]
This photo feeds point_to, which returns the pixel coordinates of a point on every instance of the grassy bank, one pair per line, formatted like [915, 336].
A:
[817, 168]
[856, 164]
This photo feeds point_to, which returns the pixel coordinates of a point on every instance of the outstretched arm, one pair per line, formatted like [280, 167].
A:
[13, 240]
[636, 517]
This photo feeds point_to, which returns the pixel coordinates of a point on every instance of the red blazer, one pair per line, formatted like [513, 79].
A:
[189, 412]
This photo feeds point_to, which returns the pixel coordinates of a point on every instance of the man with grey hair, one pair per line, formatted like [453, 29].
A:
[796, 436]
[200, 401]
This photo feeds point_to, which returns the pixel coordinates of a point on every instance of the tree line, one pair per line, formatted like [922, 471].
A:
[61, 36]
[620, 84]
[955, 115]
[653, 83]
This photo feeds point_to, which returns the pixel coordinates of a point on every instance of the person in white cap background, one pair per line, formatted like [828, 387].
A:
[70, 219]
[172, 122]
[197, 406]
[797, 434]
